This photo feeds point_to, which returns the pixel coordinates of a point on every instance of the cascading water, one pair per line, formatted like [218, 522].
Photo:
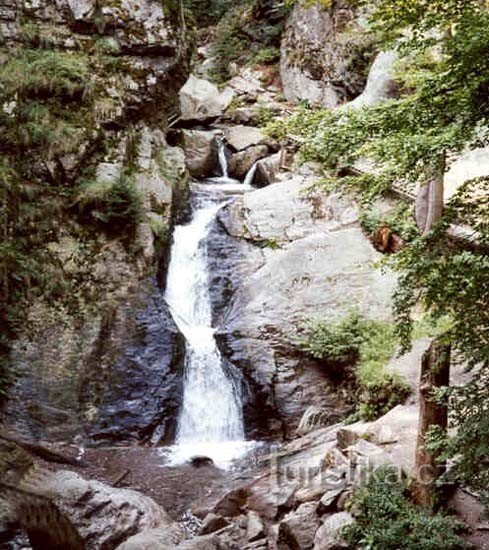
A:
[223, 163]
[250, 175]
[211, 419]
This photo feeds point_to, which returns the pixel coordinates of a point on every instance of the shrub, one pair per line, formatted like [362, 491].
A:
[337, 342]
[265, 56]
[367, 344]
[114, 204]
[378, 397]
[386, 519]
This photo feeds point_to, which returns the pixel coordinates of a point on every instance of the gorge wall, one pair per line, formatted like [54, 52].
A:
[101, 355]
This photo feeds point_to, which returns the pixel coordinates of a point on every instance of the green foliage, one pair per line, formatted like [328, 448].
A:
[114, 204]
[450, 282]
[336, 342]
[265, 56]
[45, 73]
[160, 230]
[378, 396]
[208, 12]
[368, 344]
[386, 519]
[442, 109]
[248, 33]
[400, 220]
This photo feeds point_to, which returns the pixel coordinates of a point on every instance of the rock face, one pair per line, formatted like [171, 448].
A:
[73, 358]
[321, 61]
[308, 258]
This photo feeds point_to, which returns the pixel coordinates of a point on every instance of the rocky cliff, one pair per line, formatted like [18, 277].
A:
[325, 53]
[92, 85]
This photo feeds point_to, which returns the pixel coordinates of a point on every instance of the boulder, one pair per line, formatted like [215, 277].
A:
[200, 152]
[241, 137]
[254, 526]
[200, 100]
[328, 535]
[240, 163]
[267, 169]
[208, 542]
[104, 516]
[287, 213]
[81, 9]
[380, 82]
[296, 531]
[469, 165]
[247, 84]
[213, 522]
[394, 434]
[108, 171]
[166, 538]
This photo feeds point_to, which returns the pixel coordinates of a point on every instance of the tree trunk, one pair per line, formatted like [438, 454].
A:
[429, 200]
[435, 373]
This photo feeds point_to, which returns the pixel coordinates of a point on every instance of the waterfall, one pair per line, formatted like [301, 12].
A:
[250, 174]
[211, 419]
[223, 162]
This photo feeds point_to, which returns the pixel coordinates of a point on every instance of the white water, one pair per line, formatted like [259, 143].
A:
[223, 163]
[211, 418]
[250, 175]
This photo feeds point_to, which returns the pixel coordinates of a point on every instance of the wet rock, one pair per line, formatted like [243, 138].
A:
[240, 163]
[200, 100]
[328, 535]
[296, 531]
[242, 137]
[200, 152]
[199, 461]
[142, 393]
[213, 523]
[66, 360]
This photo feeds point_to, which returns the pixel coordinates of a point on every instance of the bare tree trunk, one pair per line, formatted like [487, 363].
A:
[429, 200]
[435, 373]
